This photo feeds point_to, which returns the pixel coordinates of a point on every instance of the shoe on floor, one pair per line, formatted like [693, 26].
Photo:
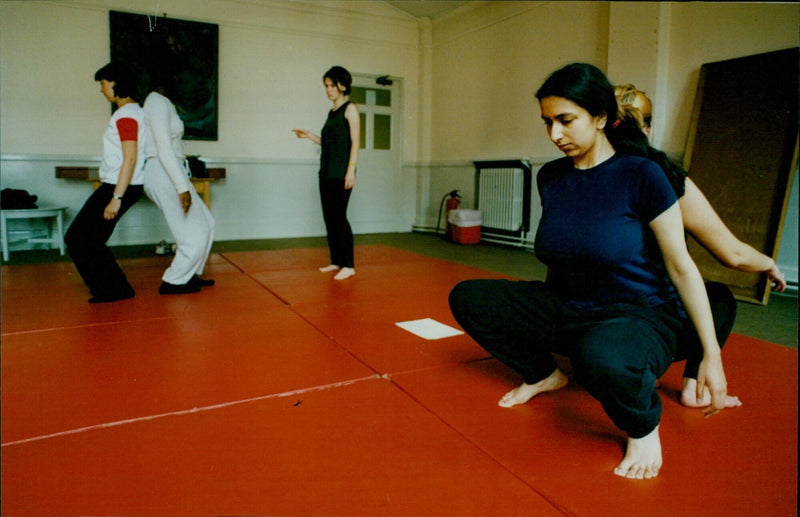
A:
[107, 298]
[188, 287]
[202, 282]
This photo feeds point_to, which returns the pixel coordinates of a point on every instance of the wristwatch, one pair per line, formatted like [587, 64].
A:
[117, 197]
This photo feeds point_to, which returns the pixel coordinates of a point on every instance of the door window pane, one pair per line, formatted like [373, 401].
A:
[382, 138]
[383, 97]
[363, 133]
[370, 96]
[358, 95]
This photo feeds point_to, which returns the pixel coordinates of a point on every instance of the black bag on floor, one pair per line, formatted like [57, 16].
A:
[197, 167]
[11, 198]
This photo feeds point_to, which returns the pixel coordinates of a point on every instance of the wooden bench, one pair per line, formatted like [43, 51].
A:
[201, 185]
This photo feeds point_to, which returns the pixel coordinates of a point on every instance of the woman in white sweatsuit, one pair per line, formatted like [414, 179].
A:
[166, 183]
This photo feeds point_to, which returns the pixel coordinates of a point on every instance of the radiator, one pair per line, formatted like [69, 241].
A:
[504, 195]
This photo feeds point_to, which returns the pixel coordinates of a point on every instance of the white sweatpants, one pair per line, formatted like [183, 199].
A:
[193, 232]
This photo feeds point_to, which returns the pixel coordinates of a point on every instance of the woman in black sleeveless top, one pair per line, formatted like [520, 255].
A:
[337, 173]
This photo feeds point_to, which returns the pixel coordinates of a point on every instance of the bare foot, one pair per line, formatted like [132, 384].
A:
[642, 457]
[524, 392]
[329, 268]
[345, 272]
[689, 396]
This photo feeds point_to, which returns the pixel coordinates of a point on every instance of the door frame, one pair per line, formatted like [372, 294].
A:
[395, 165]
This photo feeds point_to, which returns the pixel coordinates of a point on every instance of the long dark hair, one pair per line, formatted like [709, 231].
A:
[588, 87]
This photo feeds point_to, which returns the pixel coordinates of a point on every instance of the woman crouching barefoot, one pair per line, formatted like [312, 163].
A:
[612, 238]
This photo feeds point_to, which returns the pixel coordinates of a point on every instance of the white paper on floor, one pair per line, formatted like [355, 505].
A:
[428, 328]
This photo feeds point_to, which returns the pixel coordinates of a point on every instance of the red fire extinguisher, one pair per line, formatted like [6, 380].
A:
[453, 201]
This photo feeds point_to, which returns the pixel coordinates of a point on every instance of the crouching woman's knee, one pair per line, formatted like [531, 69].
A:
[462, 297]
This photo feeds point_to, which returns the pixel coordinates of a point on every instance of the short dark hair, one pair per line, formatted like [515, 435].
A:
[125, 84]
[340, 75]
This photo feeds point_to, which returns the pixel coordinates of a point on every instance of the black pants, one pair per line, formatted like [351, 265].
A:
[723, 309]
[617, 351]
[86, 242]
[334, 199]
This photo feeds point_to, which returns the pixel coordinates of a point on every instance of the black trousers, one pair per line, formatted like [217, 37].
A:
[86, 242]
[723, 310]
[617, 351]
[335, 199]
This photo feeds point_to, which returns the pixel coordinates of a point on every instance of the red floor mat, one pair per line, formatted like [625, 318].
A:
[68, 379]
[67, 307]
[372, 335]
[360, 449]
[314, 258]
[261, 395]
[408, 281]
[742, 462]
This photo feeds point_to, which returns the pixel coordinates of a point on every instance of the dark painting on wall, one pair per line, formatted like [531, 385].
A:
[179, 56]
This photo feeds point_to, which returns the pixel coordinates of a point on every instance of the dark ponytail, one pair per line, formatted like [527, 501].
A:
[626, 136]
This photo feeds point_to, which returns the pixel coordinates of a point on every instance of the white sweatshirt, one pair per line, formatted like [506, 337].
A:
[163, 139]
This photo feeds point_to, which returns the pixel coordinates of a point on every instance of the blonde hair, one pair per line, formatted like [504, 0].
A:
[631, 102]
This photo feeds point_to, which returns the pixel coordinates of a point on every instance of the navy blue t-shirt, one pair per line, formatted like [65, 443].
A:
[594, 235]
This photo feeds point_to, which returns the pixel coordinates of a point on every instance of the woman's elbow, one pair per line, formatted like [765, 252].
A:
[680, 268]
[732, 258]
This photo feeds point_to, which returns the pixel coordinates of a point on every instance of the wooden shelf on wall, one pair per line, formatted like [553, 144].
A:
[216, 172]
[84, 173]
[202, 185]
[77, 173]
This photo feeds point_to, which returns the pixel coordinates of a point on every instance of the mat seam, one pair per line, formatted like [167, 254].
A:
[479, 448]
[183, 412]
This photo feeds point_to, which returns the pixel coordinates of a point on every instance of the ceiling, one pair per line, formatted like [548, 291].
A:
[426, 8]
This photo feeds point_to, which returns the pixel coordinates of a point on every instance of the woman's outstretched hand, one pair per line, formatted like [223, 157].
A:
[304, 133]
[777, 278]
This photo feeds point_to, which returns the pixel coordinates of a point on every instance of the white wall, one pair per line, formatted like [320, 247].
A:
[468, 78]
[272, 55]
[703, 32]
[489, 61]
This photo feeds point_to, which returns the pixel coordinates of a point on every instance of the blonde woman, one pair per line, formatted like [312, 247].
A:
[166, 183]
[705, 226]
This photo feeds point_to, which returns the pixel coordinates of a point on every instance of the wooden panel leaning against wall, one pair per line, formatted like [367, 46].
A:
[742, 153]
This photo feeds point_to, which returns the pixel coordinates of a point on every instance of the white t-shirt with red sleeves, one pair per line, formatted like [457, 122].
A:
[127, 123]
